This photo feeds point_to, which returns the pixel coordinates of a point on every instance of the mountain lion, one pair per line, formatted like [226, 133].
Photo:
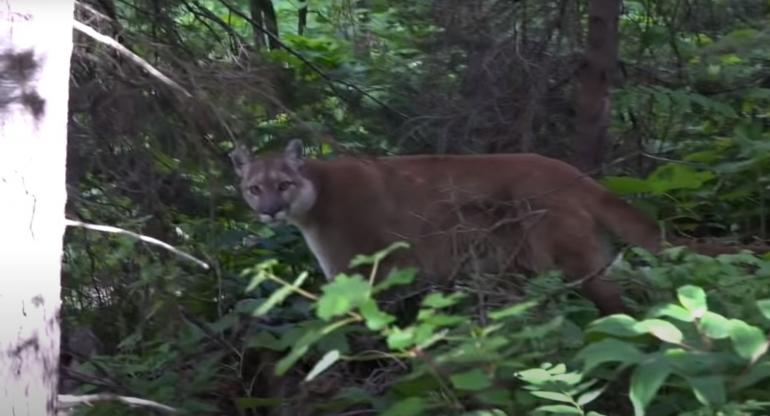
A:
[498, 213]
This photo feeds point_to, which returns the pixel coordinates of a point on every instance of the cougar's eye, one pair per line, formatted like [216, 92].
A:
[255, 189]
[285, 185]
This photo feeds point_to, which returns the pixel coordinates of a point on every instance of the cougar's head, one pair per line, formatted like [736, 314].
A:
[273, 185]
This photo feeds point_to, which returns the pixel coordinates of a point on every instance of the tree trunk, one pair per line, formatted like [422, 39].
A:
[264, 20]
[594, 79]
[35, 49]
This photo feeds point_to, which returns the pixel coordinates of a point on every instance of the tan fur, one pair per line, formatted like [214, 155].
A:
[504, 213]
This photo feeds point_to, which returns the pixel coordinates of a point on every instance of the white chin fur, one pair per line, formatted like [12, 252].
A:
[267, 219]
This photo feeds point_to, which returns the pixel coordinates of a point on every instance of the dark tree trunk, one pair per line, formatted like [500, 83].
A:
[302, 17]
[594, 79]
[264, 21]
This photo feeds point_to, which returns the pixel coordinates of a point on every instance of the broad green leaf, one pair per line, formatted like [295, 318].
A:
[375, 318]
[399, 338]
[663, 330]
[534, 376]
[714, 326]
[325, 362]
[279, 295]
[590, 395]
[625, 185]
[473, 380]
[618, 325]
[438, 300]
[341, 295]
[514, 310]
[672, 311]
[410, 406]
[609, 350]
[396, 277]
[764, 307]
[552, 395]
[749, 341]
[561, 409]
[709, 390]
[693, 299]
[693, 362]
[676, 176]
[646, 380]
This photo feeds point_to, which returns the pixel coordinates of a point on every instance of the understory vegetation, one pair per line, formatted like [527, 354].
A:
[261, 332]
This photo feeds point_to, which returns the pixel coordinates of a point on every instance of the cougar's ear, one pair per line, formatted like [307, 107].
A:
[294, 153]
[240, 157]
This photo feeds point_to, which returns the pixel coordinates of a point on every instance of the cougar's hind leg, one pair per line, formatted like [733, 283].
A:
[584, 258]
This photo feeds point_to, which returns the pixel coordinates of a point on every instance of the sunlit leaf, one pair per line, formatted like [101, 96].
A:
[693, 299]
[325, 362]
[341, 295]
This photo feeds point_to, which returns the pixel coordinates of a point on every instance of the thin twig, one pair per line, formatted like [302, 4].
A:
[146, 239]
[89, 31]
[67, 401]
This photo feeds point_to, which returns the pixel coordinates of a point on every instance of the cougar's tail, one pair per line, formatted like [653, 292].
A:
[636, 228]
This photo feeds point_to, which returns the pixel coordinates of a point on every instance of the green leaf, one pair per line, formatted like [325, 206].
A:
[280, 295]
[368, 260]
[693, 299]
[535, 376]
[410, 406]
[399, 338]
[485, 412]
[590, 395]
[676, 176]
[514, 310]
[672, 311]
[618, 325]
[714, 326]
[473, 380]
[375, 318]
[560, 409]
[625, 185]
[325, 362]
[749, 341]
[764, 307]
[552, 395]
[438, 300]
[396, 277]
[663, 330]
[303, 344]
[609, 350]
[709, 390]
[646, 380]
[342, 295]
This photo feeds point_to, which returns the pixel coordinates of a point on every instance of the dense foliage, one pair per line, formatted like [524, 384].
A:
[261, 332]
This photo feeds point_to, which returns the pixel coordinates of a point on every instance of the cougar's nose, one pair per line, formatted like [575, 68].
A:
[271, 209]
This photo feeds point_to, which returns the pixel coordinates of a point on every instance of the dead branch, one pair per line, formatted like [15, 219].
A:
[91, 32]
[146, 239]
[67, 401]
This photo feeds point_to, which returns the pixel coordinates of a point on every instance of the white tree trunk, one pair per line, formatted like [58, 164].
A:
[35, 49]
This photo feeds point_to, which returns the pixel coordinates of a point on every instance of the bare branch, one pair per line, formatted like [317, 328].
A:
[146, 239]
[89, 31]
[67, 401]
